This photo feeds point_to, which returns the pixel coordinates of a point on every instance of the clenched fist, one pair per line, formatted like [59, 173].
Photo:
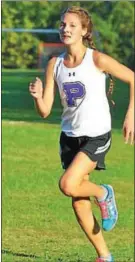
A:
[36, 88]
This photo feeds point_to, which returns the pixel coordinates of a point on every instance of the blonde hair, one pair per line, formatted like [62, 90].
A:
[86, 21]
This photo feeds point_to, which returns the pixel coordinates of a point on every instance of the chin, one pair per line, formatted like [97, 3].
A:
[66, 41]
[67, 44]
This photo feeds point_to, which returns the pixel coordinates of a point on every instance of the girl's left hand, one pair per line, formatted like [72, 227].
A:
[128, 128]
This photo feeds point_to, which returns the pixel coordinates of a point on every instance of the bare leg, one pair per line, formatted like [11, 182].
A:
[89, 224]
[72, 182]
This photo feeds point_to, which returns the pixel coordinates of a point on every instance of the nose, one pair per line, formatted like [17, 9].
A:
[65, 29]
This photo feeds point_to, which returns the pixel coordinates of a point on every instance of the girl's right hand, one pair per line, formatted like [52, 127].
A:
[36, 88]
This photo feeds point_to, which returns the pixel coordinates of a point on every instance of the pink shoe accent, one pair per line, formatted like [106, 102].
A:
[104, 210]
[99, 260]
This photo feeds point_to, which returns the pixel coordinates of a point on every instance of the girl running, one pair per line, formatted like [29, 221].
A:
[80, 74]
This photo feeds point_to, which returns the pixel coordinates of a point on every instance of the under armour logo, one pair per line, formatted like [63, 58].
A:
[70, 74]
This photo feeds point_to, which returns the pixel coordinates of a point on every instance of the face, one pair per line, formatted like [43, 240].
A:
[71, 31]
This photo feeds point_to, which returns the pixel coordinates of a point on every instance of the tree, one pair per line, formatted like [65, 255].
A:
[113, 27]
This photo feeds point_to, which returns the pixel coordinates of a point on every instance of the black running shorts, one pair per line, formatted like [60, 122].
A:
[94, 147]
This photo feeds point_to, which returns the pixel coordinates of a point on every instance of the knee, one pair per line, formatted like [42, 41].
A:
[67, 187]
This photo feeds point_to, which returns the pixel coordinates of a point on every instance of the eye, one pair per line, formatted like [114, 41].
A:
[61, 25]
[73, 26]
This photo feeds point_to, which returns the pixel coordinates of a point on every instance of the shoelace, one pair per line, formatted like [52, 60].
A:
[106, 208]
[111, 208]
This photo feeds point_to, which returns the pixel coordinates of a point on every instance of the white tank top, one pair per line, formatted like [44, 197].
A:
[83, 96]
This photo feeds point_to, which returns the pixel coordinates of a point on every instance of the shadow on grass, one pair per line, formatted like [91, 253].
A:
[58, 260]
[4, 251]
[18, 105]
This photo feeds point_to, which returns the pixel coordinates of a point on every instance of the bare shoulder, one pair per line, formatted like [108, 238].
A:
[108, 64]
[52, 62]
[100, 59]
[50, 67]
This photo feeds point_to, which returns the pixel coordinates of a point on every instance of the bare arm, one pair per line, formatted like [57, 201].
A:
[44, 98]
[113, 67]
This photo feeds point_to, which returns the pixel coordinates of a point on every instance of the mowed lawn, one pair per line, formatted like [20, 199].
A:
[38, 224]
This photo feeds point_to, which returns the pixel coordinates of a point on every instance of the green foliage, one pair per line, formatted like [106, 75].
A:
[19, 50]
[113, 22]
[123, 24]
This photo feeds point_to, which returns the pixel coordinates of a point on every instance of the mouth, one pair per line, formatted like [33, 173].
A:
[66, 36]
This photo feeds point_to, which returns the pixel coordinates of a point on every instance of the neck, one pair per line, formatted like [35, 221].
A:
[75, 51]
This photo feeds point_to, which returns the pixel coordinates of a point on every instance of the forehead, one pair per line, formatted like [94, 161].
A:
[70, 18]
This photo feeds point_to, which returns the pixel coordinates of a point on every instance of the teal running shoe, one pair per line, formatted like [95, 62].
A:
[108, 209]
[104, 260]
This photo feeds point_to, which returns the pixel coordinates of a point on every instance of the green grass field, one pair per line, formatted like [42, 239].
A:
[38, 224]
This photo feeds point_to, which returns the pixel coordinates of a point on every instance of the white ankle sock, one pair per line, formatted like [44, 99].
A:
[108, 258]
[105, 195]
